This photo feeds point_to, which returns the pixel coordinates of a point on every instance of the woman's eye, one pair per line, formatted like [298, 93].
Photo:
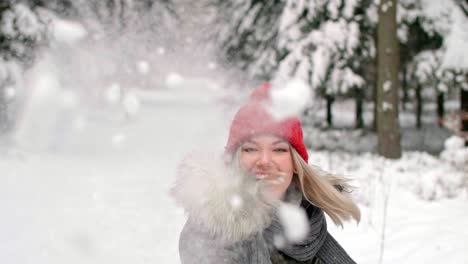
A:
[248, 149]
[281, 150]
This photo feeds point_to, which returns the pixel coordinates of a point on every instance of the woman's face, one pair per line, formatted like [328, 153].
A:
[269, 158]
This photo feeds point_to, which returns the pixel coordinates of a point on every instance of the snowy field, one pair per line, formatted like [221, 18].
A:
[100, 194]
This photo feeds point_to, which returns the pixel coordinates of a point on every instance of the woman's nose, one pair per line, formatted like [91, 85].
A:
[264, 158]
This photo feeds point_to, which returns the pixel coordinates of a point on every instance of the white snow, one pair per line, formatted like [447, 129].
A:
[67, 31]
[131, 103]
[79, 123]
[456, 56]
[10, 92]
[279, 241]
[118, 139]
[108, 206]
[387, 86]
[212, 65]
[455, 152]
[143, 67]
[294, 220]
[454, 143]
[69, 99]
[385, 6]
[20, 19]
[113, 94]
[161, 51]
[37, 122]
[289, 99]
[174, 79]
[386, 106]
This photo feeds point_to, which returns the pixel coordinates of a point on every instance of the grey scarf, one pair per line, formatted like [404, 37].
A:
[309, 247]
[318, 243]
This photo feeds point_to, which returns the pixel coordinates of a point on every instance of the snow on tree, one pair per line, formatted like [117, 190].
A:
[22, 30]
[321, 38]
[247, 35]
[436, 19]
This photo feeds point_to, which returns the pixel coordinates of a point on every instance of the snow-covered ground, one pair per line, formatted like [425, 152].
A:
[102, 196]
[105, 199]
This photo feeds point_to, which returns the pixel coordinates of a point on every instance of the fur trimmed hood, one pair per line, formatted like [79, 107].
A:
[222, 198]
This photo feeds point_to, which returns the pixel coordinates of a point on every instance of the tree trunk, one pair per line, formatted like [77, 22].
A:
[464, 114]
[374, 122]
[440, 108]
[388, 127]
[418, 106]
[330, 100]
[359, 109]
[404, 87]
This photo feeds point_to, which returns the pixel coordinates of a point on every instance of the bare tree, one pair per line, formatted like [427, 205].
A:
[388, 127]
[464, 112]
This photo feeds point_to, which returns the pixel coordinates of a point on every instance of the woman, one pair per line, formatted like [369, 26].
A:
[233, 204]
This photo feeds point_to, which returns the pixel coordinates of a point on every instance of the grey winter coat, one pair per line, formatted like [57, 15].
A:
[231, 221]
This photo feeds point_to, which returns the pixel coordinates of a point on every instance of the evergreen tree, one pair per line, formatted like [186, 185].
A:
[247, 35]
[22, 31]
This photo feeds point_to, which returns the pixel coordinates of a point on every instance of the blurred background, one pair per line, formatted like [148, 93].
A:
[100, 99]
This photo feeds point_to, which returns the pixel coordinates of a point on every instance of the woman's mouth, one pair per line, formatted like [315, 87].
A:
[261, 176]
[269, 178]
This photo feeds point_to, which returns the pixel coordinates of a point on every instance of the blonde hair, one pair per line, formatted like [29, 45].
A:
[325, 190]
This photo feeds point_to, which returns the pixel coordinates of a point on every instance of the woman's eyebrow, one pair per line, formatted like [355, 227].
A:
[279, 141]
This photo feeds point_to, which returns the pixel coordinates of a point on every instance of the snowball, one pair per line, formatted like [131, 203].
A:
[294, 221]
[161, 51]
[10, 92]
[131, 103]
[236, 201]
[212, 66]
[113, 94]
[118, 139]
[68, 31]
[290, 99]
[174, 79]
[279, 241]
[143, 67]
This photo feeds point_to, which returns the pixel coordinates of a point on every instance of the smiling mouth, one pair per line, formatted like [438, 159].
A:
[269, 179]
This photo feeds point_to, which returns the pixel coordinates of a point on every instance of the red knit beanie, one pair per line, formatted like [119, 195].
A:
[253, 119]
